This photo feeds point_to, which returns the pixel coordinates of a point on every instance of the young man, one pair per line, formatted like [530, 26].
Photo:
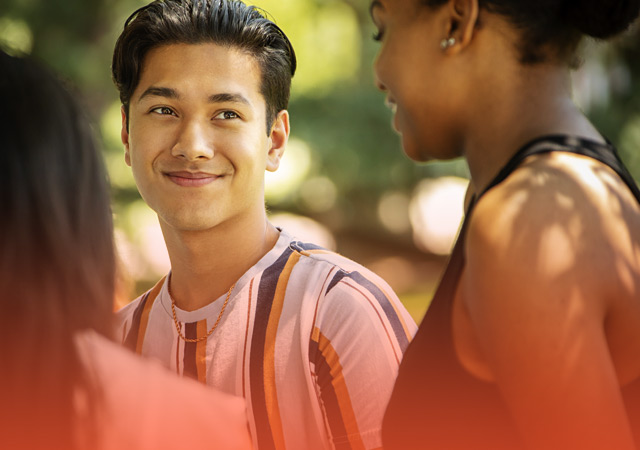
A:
[311, 340]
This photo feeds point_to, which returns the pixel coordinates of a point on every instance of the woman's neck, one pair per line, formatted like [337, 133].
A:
[508, 114]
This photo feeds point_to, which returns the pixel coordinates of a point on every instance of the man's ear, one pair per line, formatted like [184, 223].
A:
[278, 138]
[124, 136]
[463, 17]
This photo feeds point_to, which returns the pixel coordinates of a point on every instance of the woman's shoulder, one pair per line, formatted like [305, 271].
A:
[558, 213]
[557, 188]
[143, 405]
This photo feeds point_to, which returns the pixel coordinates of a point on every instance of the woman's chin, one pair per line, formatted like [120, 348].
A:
[413, 151]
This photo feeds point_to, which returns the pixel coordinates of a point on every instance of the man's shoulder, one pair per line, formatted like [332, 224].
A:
[344, 269]
[321, 255]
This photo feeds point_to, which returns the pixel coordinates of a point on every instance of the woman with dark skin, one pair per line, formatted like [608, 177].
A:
[64, 385]
[532, 339]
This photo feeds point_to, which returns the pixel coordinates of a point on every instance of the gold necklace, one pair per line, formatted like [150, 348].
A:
[177, 324]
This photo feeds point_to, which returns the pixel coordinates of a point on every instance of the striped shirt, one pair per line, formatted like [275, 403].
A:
[309, 338]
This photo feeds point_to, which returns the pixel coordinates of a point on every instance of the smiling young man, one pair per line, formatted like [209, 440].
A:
[310, 339]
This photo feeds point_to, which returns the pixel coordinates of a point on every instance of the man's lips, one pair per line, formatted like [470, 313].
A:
[191, 179]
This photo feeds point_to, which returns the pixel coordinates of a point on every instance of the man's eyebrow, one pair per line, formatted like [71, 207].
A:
[374, 4]
[159, 92]
[228, 98]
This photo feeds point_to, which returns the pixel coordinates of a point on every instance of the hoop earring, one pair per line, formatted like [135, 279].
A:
[447, 42]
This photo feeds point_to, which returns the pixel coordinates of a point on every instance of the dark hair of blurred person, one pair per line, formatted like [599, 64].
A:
[57, 259]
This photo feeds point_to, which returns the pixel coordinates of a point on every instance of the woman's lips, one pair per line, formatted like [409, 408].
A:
[191, 179]
[393, 106]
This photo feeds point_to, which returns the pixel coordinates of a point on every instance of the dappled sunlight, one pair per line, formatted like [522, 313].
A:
[15, 35]
[399, 272]
[393, 212]
[294, 167]
[585, 249]
[555, 250]
[326, 38]
[436, 211]
[120, 174]
[626, 275]
[110, 127]
[318, 194]
[140, 243]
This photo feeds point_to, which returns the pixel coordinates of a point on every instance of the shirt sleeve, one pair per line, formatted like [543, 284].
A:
[358, 339]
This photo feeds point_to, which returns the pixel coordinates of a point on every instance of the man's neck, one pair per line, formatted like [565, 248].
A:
[205, 264]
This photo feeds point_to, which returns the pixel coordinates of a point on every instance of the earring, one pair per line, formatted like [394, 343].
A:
[447, 42]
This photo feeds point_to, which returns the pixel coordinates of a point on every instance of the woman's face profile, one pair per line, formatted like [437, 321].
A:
[411, 69]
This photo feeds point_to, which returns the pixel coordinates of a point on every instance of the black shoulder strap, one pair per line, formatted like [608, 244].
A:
[605, 153]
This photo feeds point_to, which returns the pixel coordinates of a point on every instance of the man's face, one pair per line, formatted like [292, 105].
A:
[196, 141]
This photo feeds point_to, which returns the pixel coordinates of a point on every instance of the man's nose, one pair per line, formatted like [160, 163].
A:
[194, 142]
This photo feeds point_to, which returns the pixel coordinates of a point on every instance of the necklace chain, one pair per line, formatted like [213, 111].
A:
[179, 327]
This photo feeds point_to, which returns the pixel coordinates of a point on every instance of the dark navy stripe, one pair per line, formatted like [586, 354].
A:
[302, 246]
[131, 341]
[266, 292]
[328, 394]
[189, 361]
[336, 279]
[384, 302]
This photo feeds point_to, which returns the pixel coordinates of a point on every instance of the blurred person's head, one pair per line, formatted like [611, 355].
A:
[228, 23]
[57, 259]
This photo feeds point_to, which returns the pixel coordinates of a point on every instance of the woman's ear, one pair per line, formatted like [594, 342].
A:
[463, 17]
[278, 138]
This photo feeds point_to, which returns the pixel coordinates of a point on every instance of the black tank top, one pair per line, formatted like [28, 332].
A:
[436, 403]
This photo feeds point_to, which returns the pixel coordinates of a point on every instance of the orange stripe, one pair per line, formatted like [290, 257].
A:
[270, 391]
[144, 318]
[201, 351]
[340, 388]
[318, 251]
[246, 340]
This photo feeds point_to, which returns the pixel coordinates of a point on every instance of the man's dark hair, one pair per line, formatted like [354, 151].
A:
[224, 22]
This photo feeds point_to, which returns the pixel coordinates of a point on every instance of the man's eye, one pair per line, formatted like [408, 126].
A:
[163, 110]
[227, 115]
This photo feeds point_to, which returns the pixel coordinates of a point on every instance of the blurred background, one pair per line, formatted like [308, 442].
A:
[344, 182]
